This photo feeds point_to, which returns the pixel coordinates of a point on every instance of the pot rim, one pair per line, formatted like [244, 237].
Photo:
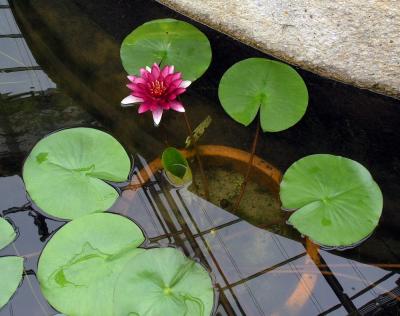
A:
[222, 152]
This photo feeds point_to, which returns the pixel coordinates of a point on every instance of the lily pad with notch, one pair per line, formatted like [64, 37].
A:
[79, 266]
[65, 172]
[270, 87]
[337, 202]
[167, 42]
[163, 281]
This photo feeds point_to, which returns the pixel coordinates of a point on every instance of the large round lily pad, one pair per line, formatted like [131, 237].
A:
[338, 203]
[167, 42]
[7, 233]
[64, 172]
[80, 264]
[11, 271]
[271, 87]
[162, 281]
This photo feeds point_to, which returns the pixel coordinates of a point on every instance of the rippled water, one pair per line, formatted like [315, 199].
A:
[60, 67]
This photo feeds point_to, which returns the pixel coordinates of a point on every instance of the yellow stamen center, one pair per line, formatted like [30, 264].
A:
[157, 88]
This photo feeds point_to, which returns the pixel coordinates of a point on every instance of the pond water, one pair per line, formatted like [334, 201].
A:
[60, 67]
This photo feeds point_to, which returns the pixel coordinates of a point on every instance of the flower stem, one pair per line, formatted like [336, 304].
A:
[249, 167]
[196, 152]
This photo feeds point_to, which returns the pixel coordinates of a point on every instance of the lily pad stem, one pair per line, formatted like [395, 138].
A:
[249, 166]
[196, 152]
[312, 251]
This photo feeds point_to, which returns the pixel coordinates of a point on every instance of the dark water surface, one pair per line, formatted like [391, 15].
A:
[60, 67]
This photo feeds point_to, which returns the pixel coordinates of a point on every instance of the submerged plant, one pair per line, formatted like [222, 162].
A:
[266, 87]
[156, 90]
[337, 203]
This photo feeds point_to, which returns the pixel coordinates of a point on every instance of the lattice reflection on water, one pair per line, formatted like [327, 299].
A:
[257, 272]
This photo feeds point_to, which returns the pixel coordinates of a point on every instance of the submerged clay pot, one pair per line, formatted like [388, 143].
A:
[267, 175]
[260, 205]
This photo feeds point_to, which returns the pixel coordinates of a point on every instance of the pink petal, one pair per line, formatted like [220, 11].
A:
[165, 71]
[185, 84]
[130, 100]
[171, 69]
[144, 107]
[143, 71]
[131, 78]
[177, 106]
[140, 94]
[155, 71]
[131, 86]
[173, 85]
[148, 68]
[175, 93]
[139, 80]
[140, 86]
[157, 114]
[172, 77]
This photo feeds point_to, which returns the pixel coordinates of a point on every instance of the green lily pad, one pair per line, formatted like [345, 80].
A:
[64, 173]
[79, 266]
[271, 87]
[176, 166]
[7, 233]
[338, 203]
[11, 272]
[163, 281]
[11, 268]
[167, 42]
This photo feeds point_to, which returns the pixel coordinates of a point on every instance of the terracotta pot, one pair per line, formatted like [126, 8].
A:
[267, 175]
[236, 159]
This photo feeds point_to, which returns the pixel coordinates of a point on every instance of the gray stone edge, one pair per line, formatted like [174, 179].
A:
[239, 35]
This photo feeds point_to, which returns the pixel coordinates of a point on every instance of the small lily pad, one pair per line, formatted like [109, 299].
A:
[7, 233]
[64, 173]
[11, 272]
[176, 166]
[271, 87]
[79, 266]
[163, 281]
[338, 203]
[167, 42]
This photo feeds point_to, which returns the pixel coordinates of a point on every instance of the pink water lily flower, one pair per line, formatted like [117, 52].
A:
[156, 90]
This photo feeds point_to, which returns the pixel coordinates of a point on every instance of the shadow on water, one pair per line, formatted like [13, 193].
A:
[71, 75]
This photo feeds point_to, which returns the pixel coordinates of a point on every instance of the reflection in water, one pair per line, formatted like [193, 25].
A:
[257, 271]
[299, 297]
